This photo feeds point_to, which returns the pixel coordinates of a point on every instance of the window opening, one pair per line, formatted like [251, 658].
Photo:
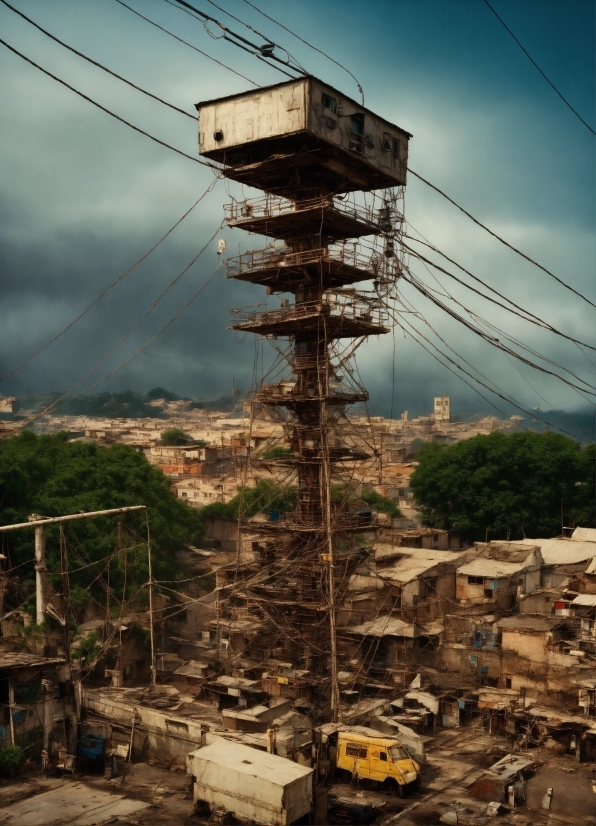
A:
[357, 132]
[475, 580]
[329, 103]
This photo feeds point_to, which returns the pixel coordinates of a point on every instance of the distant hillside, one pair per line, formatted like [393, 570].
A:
[127, 404]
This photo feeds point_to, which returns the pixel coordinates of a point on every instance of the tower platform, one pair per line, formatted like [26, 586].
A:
[283, 270]
[325, 319]
[327, 218]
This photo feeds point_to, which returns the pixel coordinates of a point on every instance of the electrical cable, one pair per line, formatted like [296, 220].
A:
[500, 394]
[417, 284]
[501, 332]
[111, 287]
[151, 340]
[95, 63]
[530, 317]
[157, 26]
[62, 397]
[502, 240]
[310, 46]
[533, 62]
[266, 39]
[265, 52]
[108, 111]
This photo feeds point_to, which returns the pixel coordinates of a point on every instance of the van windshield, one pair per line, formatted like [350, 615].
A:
[398, 753]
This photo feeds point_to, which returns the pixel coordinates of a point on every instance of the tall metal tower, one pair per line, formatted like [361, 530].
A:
[307, 147]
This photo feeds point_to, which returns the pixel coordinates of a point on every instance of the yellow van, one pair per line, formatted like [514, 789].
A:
[379, 758]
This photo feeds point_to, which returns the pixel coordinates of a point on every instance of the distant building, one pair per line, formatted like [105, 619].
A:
[442, 409]
[7, 404]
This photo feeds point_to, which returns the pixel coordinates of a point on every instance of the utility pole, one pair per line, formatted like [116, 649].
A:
[38, 523]
[40, 570]
[151, 634]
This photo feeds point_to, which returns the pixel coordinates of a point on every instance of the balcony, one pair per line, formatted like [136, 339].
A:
[286, 394]
[282, 270]
[337, 315]
[281, 218]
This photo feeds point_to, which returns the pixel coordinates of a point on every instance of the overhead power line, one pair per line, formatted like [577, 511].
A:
[257, 32]
[310, 46]
[498, 237]
[264, 52]
[95, 63]
[533, 62]
[109, 289]
[107, 111]
[423, 289]
[526, 315]
[185, 42]
[62, 397]
[498, 392]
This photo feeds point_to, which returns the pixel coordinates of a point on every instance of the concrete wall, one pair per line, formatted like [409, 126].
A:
[157, 733]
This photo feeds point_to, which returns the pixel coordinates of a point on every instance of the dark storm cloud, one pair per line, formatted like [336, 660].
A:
[82, 196]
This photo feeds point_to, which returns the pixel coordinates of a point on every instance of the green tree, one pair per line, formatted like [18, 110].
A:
[265, 497]
[175, 436]
[506, 486]
[277, 452]
[51, 476]
[162, 393]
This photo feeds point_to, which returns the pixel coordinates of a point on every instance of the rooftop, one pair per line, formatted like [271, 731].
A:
[18, 659]
[530, 623]
[260, 764]
[383, 627]
[563, 550]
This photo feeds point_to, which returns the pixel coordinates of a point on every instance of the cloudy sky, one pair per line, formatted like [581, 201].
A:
[83, 196]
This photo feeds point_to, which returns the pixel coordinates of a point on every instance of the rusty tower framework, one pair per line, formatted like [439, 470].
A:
[307, 147]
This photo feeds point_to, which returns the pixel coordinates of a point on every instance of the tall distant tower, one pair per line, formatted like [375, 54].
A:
[442, 410]
[309, 148]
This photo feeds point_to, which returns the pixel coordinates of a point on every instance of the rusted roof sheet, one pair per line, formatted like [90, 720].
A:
[19, 659]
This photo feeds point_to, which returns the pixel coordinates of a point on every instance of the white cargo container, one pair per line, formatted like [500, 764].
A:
[253, 785]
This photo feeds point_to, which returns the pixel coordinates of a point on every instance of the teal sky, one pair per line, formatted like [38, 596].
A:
[82, 196]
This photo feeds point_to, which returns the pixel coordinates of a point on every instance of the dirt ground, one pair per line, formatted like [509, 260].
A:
[152, 795]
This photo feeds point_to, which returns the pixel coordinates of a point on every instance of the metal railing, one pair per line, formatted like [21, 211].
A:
[269, 206]
[346, 305]
[275, 258]
[286, 391]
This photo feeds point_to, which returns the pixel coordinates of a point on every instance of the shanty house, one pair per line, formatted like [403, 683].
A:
[418, 583]
[539, 653]
[499, 575]
[37, 703]
[564, 556]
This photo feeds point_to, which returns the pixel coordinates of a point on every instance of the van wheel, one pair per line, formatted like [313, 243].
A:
[343, 776]
[391, 787]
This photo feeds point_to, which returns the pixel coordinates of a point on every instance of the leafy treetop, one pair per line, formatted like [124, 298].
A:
[51, 476]
[506, 486]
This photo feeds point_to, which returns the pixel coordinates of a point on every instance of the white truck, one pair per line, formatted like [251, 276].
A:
[252, 785]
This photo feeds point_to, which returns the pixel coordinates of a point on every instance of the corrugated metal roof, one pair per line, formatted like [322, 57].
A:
[260, 764]
[18, 659]
[584, 535]
[384, 627]
[562, 551]
[584, 599]
[491, 569]
[530, 623]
